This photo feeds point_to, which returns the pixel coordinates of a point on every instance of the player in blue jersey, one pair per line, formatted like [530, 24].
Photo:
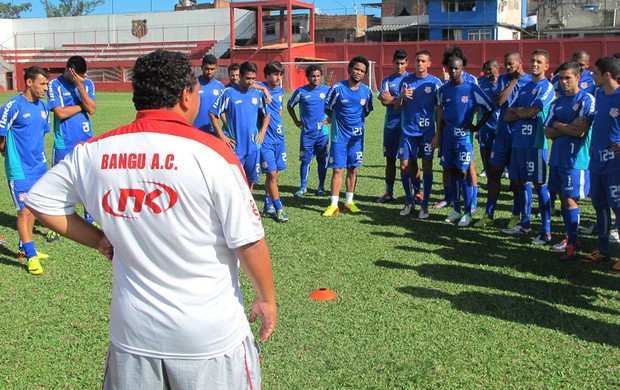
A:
[568, 125]
[457, 51]
[391, 127]
[508, 85]
[458, 102]
[416, 104]
[605, 156]
[24, 122]
[242, 104]
[313, 139]
[528, 160]
[487, 133]
[348, 103]
[210, 90]
[71, 97]
[586, 80]
[273, 147]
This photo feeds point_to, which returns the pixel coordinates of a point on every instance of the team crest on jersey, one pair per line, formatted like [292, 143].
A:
[362, 102]
[464, 99]
[576, 107]
[216, 92]
[322, 95]
[584, 85]
[428, 89]
[613, 112]
[22, 197]
[535, 91]
[265, 165]
[254, 101]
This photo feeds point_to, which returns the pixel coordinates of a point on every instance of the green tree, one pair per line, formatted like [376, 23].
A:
[70, 7]
[10, 11]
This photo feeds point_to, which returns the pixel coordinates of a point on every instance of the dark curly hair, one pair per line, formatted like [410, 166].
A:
[455, 51]
[159, 79]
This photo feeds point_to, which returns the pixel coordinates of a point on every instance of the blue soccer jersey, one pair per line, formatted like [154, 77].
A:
[392, 85]
[349, 109]
[209, 92]
[459, 103]
[242, 109]
[568, 151]
[76, 129]
[311, 109]
[275, 130]
[505, 128]
[418, 113]
[529, 133]
[586, 83]
[490, 90]
[24, 125]
[605, 132]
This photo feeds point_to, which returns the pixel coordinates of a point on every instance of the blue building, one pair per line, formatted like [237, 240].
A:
[475, 19]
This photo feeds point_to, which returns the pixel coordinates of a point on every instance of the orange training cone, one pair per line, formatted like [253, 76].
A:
[323, 294]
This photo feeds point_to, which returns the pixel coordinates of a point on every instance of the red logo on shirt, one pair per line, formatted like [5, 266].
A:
[254, 209]
[159, 199]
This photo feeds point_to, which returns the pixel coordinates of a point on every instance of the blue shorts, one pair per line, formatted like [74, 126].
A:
[605, 190]
[528, 165]
[485, 137]
[501, 151]
[313, 147]
[391, 139]
[569, 183]
[251, 165]
[59, 154]
[19, 189]
[412, 148]
[346, 155]
[456, 154]
[273, 157]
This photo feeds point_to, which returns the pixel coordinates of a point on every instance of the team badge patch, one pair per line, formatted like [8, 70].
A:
[428, 89]
[535, 91]
[576, 107]
[216, 92]
[254, 101]
[613, 112]
[322, 95]
[362, 102]
[22, 197]
[265, 165]
[464, 99]
[44, 114]
[584, 85]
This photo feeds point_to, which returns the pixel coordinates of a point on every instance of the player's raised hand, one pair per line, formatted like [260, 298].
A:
[408, 92]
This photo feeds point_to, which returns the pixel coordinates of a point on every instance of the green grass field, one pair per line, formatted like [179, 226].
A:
[421, 304]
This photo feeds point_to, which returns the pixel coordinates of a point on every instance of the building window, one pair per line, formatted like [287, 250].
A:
[330, 39]
[479, 35]
[296, 28]
[454, 34]
[270, 29]
[457, 6]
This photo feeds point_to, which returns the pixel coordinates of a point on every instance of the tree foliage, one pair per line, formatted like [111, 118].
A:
[70, 7]
[10, 11]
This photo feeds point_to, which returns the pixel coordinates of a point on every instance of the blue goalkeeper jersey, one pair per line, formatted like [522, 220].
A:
[311, 109]
[605, 132]
[504, 128]
[392, 85]
[349, 108]
[24, 125]
[76, 129]
[275, 130]
[418, 113]
[242, 109]
[209, 92]
[459, 103]
[529, 133]
[568, 151]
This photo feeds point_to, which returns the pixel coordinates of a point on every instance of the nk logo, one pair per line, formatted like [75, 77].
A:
[155, 198]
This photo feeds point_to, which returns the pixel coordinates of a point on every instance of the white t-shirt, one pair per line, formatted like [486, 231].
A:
[175, 204]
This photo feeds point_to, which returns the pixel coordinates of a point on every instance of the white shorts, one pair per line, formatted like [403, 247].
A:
[238, 369]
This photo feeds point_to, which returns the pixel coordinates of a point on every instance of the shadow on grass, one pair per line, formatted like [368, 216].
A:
[9, 257]
[524, 311]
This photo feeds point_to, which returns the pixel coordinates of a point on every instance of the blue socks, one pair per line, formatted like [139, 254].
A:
[29, 249]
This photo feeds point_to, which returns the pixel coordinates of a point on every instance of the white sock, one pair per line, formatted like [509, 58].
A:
[334, 200]
[348, 197]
